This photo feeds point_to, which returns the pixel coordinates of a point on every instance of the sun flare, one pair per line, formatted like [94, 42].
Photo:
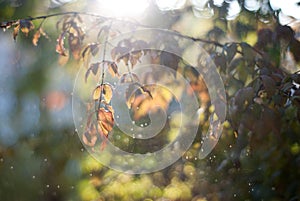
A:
[124, 8]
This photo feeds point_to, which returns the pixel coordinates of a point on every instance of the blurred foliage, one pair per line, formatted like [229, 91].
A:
[257, 157]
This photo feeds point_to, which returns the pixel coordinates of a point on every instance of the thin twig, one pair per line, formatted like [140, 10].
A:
[10, 23]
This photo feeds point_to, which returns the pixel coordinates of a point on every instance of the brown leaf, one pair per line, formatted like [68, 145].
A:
[129, 77]
[75, 46]
[94, 68]
[269, 84]
[113, 69]
[135, 57]
[60, 49]
[92, 48]
[105, 90]
[36, 37]
[105, 121]
[16, 31]
[26, 26]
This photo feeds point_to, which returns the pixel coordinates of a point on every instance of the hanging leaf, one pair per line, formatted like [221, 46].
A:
[129, 77]
[135, 57]
[149, 98]
[16, 31]
[105, 90]
[105, 121]
[26, 26]
[92, 48]
[94, 68]
[60, 49]
[269, 84]
[75, 46]
[113, 69]
[36, 37]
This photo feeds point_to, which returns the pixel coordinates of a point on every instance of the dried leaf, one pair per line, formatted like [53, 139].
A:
[104, 90]
[113, 69]
[36, 37]
[150, 98]
[94, 68]
[75, 46]
[26, 26]
[16, 32]
[129, 77]
[60, 49]
[135, 57]
[105, 121]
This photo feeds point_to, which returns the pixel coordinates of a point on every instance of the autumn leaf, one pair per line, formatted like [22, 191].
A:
[113, 69]
[36, 37]
[60, 49]
[92, 48]
[75, 46]
[26, 26]
[129, 77]
[94, 68]
[105, 121]
[40, 32]
[16, 31]
[104, 90]
[148, 99]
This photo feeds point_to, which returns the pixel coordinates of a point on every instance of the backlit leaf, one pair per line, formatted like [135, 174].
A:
[113, 69]
[94, 68]
[60, 49]
[105, 121]
[105, 91]
[26, 26]
[16, 31]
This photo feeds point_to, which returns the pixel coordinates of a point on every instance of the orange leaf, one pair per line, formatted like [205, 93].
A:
[60, 49]
[105, 90]
[36, 37]
[105, 121]
[16, 31]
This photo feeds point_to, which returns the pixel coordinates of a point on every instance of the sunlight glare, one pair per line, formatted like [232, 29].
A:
[124, 8]
[165, 5]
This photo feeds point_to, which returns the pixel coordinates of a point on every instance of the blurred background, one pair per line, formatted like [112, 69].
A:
[42, 158]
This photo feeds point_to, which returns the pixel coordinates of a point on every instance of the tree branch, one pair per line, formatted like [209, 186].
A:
[8, 24]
